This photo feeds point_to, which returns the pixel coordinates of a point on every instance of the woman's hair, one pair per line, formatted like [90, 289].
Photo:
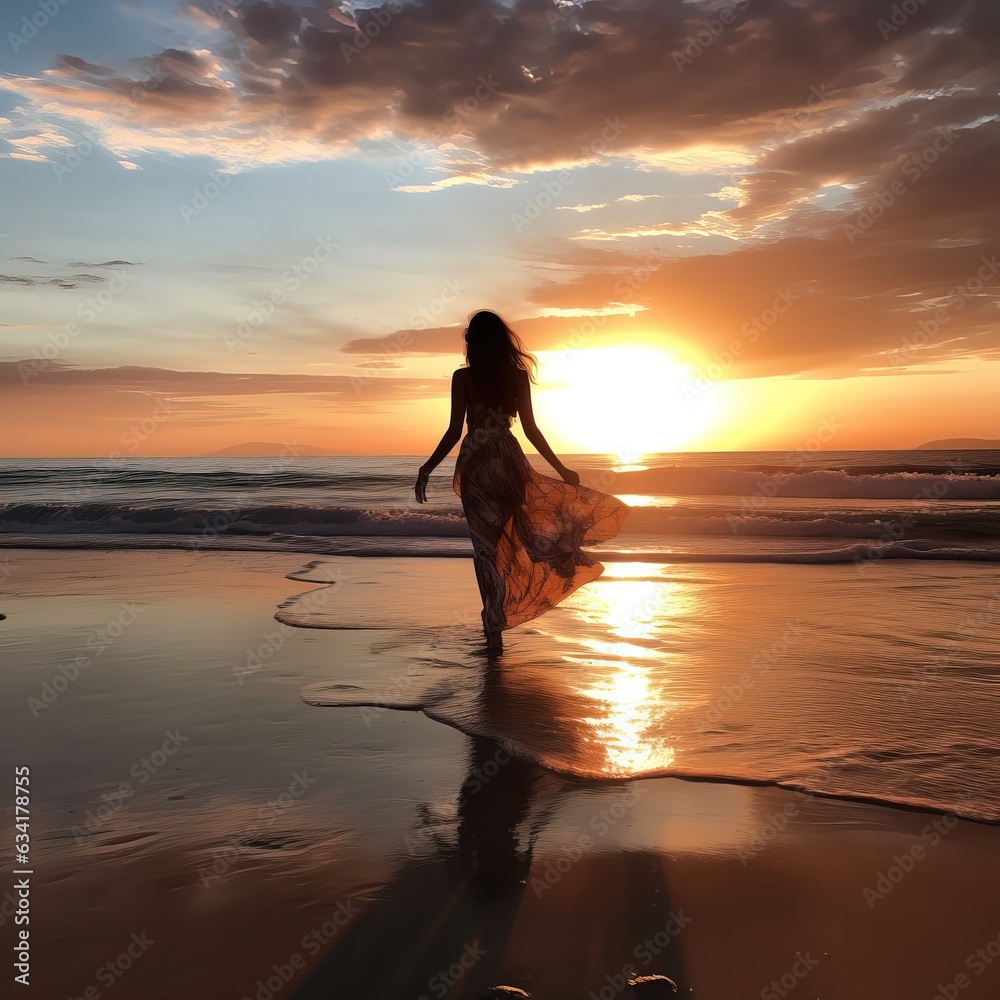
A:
[495, 355]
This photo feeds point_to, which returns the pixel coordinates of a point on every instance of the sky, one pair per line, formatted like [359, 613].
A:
[761, 224]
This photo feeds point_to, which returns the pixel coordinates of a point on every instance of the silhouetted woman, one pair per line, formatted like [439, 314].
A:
[527, 529]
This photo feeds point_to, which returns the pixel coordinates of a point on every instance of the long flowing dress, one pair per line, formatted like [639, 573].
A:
[527, 529]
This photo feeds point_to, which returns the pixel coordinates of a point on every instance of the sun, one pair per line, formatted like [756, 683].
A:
[626, 401]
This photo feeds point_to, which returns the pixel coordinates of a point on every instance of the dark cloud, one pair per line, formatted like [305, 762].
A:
[103, 263]
[820, 306]
[271, 26]
[70, 281]
[560, 71]
[381, 364]
[803, 305]
[540, 334]
[672, 73]
[74, 65]
[74, 280]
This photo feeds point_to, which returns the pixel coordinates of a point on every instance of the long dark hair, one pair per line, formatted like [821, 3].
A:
[495, 355]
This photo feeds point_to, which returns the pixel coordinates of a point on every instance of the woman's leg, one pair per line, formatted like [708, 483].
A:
[491, 585]
[491, 488]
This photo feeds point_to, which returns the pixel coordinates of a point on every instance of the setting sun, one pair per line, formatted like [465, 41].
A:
[627, 401]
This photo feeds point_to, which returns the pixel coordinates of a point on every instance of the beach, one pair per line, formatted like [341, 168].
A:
[200, 829]
[500, 500]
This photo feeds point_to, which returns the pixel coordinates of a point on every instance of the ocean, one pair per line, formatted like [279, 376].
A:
[712, 506]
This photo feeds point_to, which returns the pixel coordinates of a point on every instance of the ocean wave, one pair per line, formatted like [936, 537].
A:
[390, 481]
[206, 522]
[971, 521]
[759, 486]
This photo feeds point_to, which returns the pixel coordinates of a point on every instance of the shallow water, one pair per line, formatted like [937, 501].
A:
[879, 686]
[409, 821]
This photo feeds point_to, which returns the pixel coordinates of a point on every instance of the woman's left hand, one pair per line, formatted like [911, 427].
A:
[420, 490]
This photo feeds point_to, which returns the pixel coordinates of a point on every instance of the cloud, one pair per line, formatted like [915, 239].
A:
[801, 305]
[540, 333]
[581, 208]
[526, 84]
[481, 177]
[60, 280]
[826, 307]
[351, 390]
[72, 281]
[857, 159]
[104, 263]
[75, 66]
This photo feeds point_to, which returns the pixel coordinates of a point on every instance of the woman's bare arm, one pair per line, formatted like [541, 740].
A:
[450, 437]
[534, 435]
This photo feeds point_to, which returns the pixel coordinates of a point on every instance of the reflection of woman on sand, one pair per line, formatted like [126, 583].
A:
[527, 529]
[456, 926]
[492, 804]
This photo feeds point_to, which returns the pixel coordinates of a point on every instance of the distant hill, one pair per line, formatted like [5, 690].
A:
[959, 444]
[268, 449]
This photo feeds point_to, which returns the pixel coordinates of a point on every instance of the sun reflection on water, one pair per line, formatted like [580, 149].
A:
[647, 500]
[627, 675]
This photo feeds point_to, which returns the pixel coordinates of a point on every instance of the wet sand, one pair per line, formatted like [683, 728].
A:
[198, 830]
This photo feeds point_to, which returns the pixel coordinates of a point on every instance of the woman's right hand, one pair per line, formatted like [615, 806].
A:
[420, 489]
[569, 476]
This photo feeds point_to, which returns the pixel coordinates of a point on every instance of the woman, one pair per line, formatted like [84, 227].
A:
[527, 529]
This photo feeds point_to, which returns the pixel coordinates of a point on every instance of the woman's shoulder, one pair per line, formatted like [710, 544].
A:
[460, 378]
